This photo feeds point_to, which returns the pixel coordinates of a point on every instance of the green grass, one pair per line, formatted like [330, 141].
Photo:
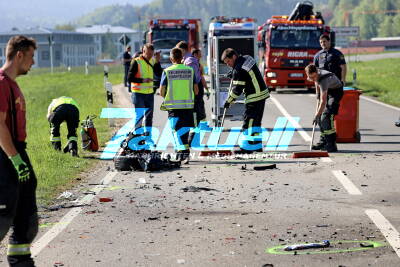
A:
[57, 171]
[379, 78]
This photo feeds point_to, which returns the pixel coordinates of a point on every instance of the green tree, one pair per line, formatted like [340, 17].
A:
[65, 27]
[386, 28]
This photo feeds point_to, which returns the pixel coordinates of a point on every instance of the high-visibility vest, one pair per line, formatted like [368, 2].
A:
[60, 101]
[180, 93]
[144, 71]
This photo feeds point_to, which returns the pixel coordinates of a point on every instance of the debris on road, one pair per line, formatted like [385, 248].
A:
[197, 189]
[323, 244]
[180, 261]
[64, 206]
[264, 167]
[65, 195]
[105, 199]
[366, 245]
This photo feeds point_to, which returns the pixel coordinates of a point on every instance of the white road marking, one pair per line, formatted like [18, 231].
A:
[380, 103]
[347, 184]
[297, 125]
[387, 229]
[68, 218]
[326, 160]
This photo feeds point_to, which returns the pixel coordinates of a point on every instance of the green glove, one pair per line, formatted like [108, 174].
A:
[21, 167]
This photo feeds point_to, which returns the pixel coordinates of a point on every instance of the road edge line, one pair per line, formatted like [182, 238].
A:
[379, 102]
[347, 184]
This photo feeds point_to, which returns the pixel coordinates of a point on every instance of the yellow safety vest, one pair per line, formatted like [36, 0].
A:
[60, 101]
[180, 93]
[144, 71]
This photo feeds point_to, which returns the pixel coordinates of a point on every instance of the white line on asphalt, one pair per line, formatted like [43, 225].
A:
[326, 160]
[347, 184]
[380, 103]
[67, 219]
[297, 125]
[387, 229]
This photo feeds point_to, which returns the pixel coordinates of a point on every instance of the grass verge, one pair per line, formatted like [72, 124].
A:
[56, 171]
[378, 78]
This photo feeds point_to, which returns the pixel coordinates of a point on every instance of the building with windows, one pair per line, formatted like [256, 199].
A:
[107, 39]
[68, 48]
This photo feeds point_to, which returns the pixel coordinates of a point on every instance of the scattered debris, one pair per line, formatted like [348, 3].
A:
[142, 180]
[244, 167]
[64, 206]
[366, 245]
[264, 167]
[197, 189]
[268, 265]
[180, 261]
[323, 244]
[322, 225]
[65, 195]
[105, 199]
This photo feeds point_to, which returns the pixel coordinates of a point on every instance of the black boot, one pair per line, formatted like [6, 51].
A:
[56, 145]
[71, 147]
[330, 145]
[320, 145]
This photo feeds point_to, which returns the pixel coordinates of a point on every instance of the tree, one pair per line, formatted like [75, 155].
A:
[65, 27]
[386, 28]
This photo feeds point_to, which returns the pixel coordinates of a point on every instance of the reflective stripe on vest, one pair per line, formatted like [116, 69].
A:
[180, 87]
[19, 249]
[62, 100]
[145, 71]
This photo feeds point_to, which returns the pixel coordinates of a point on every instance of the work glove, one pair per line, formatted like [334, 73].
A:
[208, 94]
[227, 104]
[21, 167]
[317, 120]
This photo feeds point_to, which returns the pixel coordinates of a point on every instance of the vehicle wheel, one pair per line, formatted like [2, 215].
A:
[358, 137]
[311, 90]
[121, 161]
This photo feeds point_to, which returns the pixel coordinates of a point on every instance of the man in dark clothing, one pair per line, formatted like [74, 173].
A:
[248, 79]
[330, 90]
[18, 208]
[126, 58]
[331, 59]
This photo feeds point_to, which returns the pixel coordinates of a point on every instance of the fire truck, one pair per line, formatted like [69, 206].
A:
[287, 44]
[239, 34]
[164, 34]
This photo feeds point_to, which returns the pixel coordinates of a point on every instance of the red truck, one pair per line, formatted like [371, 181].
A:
[164, 34]
[287, 44]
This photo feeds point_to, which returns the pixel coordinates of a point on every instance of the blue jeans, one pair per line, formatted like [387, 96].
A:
[144, 101]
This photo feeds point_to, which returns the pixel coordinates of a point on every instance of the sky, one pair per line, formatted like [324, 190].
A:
[48, 13]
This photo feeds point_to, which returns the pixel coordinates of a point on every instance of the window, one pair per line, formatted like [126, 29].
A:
[45, 55]
[58, 55]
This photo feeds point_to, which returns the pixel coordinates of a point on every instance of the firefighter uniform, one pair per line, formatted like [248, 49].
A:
[179, 102]
[64, 109]
[330, 82]
[330, 60]
[143, 93]
[248, 79]
[18, 209]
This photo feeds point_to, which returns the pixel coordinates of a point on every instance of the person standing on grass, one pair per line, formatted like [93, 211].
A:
[18, 209]
[126, 59]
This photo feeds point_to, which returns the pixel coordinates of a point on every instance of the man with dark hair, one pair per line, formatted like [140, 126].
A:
[197, 54]
[141, 75]
[199, 109]
[126, 59]
[331, 59]
[178, 87]
[17, 178]
[330, 91]
[248, 79]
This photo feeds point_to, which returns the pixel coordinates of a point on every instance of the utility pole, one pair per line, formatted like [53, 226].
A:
[50, 38]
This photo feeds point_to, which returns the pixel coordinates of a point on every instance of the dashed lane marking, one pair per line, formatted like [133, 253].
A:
[347, 184]
[68, 218]
[387, 229]
[297, 125]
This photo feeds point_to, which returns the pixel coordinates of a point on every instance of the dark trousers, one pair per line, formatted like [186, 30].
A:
[68, 113]
[144, 101]
[326, 124]
[252, 118]
[185, 119]
[126, 81]
[18, 209]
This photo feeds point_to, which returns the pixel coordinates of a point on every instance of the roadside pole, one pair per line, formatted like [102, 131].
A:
[110, 100]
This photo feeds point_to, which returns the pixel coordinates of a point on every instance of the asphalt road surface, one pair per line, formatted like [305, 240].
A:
[351, 199]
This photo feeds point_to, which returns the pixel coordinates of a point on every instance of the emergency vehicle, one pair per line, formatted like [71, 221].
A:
[239, 34]
[164, 34]
[287, 44]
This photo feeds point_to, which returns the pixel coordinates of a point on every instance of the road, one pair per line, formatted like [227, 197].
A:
[372, 57]
[350, 198]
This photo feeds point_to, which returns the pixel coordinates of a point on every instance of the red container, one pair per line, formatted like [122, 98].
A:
[347, 120]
